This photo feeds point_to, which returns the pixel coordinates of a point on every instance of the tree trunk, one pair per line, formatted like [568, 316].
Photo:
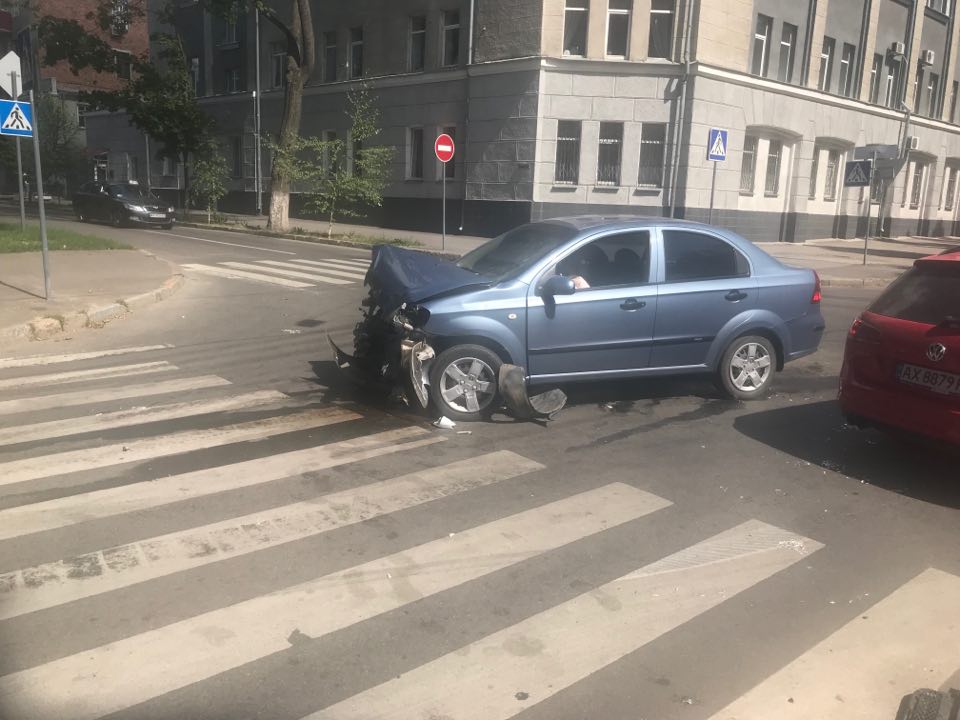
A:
[330, 226]
[186, 187]
[301, 28]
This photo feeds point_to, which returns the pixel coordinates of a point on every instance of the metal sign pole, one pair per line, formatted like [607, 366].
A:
[43, 215]
[23, 214]
[713, 187]
[866, 237]
[443, 237]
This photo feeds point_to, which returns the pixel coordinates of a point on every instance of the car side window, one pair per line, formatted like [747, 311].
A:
[620, 259]
[691, 256]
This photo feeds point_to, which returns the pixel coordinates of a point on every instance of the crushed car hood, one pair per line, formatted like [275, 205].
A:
[400, 276]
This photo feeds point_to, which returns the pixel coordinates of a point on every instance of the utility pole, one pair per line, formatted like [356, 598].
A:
[43, 214]
[256, 109]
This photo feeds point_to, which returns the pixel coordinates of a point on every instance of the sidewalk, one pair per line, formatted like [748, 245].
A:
[88, 288]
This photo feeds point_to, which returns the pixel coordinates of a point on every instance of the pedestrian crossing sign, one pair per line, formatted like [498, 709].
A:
[717, 145]
[17, 118]
[857, 173]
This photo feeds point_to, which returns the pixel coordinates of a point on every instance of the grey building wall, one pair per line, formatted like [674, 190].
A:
[508, 29]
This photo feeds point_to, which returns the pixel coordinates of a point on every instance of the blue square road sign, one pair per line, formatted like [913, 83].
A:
[717, 144]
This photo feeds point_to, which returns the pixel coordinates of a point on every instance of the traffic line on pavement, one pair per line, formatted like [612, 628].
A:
[51, 584]
[906, 641]
[135, 416]
[356, 265]
[73, 376]
[6, 363]
[327, 270]
[241, 275]
[100, 504]
[88, 397]
[44, 466]
[288, 273]
[221, 242]
[112, 677]
[505, 673]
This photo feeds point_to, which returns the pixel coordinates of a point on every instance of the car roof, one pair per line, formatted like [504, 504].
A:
[948, 256]
[587, 222]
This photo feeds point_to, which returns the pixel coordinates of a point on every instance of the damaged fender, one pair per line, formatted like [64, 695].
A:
[513, 390]
[415, 357]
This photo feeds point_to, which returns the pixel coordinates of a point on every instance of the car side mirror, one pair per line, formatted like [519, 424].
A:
[557, 285]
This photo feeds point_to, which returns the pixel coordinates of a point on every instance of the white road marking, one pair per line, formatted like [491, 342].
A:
[240, 275]
[87, 375]
[360, 265]
[100, 504]
[221, 242]
[288, 273]
[135, 416]
[338, 271]
[44, 466]
[56, 583]
[88, 397]
[906, 641]
[6, 363]
[556, 648]
[97, 682]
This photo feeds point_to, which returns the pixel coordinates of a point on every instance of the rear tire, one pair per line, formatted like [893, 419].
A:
[116, 219]
[78, 212]
[747, 368]
[463, 382]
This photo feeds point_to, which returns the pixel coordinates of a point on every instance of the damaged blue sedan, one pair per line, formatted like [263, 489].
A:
[579, 299]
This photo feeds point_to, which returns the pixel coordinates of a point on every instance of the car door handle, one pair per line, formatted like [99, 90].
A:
[632, 305]
[735, 295]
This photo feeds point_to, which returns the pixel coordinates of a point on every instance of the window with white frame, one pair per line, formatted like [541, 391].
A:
[575, 17]
[826, 64]
[566, 169]
[876, 71]
[831, 180]
[761, 46]
[450, 168]
[771, 185]
[933, 89]
[917, 85]
[950, 194]
[82, 110]
[618, 27]
[415, 153]
[847, 62]
[814, 173]
[356, 52]
[653, 141]
[232, 80]
[661, 29]
[788, 50]
[941, 6]
[916, 185]
[330, 56]
[418, 43]
[278, 66]
[451, 38]
[609, 154]
[124, 64]
[954, 90]
[892, 90]
[748, 164]
[230, 33]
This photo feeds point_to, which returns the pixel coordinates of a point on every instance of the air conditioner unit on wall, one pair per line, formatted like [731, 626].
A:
[927, 57]
[913, 143]
[898, 48]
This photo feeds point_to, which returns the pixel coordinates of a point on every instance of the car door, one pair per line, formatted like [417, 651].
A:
[706, 281]
[604, 328]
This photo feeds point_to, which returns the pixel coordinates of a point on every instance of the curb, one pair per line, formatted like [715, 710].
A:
[866, 283]
[45, 327]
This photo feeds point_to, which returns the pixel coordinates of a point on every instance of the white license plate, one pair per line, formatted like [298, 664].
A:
[940, 382]
[158, 216]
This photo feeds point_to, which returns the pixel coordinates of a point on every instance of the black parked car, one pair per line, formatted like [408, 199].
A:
[121, 204]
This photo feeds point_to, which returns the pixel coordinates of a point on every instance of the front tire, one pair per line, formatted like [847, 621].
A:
[78, 212]
[747, 368]
[463, 382]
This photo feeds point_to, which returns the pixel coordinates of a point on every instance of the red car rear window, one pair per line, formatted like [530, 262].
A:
[929, 295]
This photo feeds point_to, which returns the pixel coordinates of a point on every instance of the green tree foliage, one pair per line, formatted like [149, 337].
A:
[210, 175]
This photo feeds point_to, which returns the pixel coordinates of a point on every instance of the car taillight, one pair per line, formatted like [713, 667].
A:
[864, 332]
[817, 294]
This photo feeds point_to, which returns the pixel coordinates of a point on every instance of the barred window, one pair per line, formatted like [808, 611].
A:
[609, 155]
[916, 189]
[653, 138]
[830, 183]
[748, 166]
[415, 154]
[771, 186]
[567, 165]
[951, 189]
[814, 172]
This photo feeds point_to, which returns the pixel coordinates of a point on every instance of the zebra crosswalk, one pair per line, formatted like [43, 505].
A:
[183, 499]
[289, 273]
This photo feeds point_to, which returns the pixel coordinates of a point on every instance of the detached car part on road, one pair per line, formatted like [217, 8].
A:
[576, 299]
[121, 204]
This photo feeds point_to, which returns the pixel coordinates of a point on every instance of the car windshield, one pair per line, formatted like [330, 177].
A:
[133, 192]
[516, 250]
[924, 295]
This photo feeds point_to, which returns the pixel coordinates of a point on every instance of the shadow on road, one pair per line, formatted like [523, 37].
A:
[816, 432]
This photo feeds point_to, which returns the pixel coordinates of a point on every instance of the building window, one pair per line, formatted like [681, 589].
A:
[119, 17]
[124, 64]
[847, 61]
[609, 154]
[917, 86]
[661, 29]
[788, 45]
[82, 110]
[575, 28]
[951, 191]
[166, 166]
[830, 183]
[232, 80]
[954, 89]
[450, 168]
[330, 57]
[941, 6]
[415, 154]
[826, 64]
[892, 91]
[748, 165]
[236, 156]
[418, 43]
[566, 170]
[195, 75]
[618, 27]
[278, 66]
[814, 172]
[761, 46]
[451, 38]
[331, 150]
[875, 70]
[771, 186]
[933, 89]
[230, 32]
[356, 52]
[916, 189]
[653, 140]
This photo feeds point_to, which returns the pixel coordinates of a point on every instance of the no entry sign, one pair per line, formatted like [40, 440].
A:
[444, 148]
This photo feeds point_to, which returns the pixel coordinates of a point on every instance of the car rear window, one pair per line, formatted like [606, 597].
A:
[925, 295]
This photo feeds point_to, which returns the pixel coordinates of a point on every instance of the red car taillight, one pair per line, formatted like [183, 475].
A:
[817, 294]
[863, 332]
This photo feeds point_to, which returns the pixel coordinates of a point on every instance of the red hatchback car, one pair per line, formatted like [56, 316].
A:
[901, 367]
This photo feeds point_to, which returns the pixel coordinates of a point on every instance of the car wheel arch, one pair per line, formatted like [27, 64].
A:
[439, 344]
[751, 324]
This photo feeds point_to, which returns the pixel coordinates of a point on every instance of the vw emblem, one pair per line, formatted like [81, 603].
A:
[936, 352]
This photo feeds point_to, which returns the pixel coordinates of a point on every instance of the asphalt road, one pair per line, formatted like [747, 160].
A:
[199, 518]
